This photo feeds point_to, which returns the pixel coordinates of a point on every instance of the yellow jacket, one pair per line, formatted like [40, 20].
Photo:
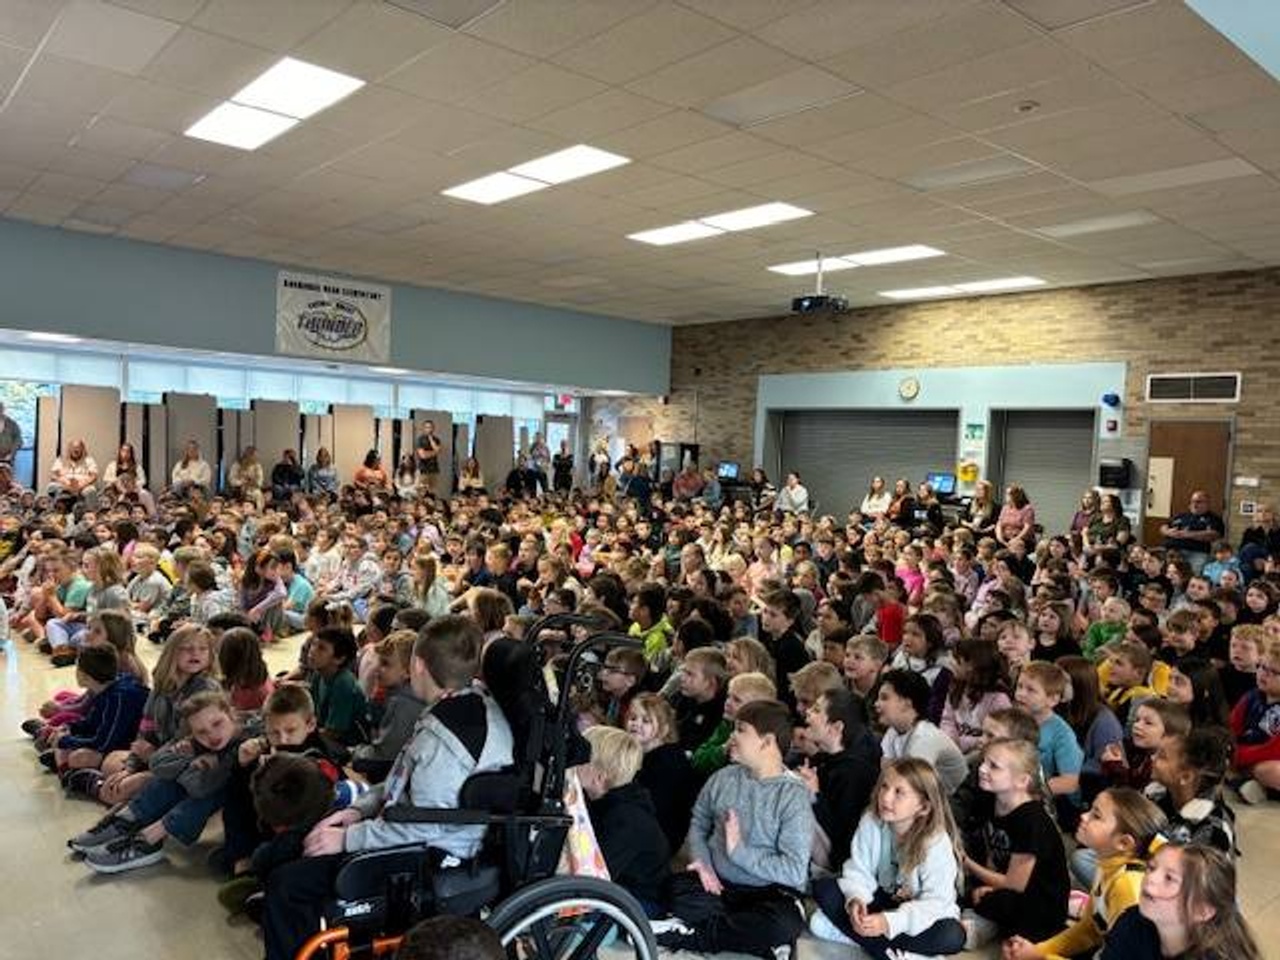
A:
[1115, 890]
[1158, 680]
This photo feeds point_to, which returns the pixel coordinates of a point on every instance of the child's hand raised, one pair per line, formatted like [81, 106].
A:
[250, 751]
[732, 831]
[1113, 753]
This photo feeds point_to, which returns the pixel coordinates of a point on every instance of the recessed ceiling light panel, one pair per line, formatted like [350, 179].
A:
[494, 188]
[802, 268]
[1000, 283]
[42, 337]
[245, 128]
[298, 89]
[764, 215]
[570, 164]
[873, 258]
[919, 293]
[677, 233]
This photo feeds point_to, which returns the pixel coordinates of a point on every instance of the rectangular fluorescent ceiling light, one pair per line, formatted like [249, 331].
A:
[1209, 172]
[1118, 221]
[1000, 283]
[764, 215]
[872, 258]
[975, 286]
[297, 89]
[569, 164]
[41, 337]
[677, 233]
[244, 128]
[393, 371]
[919, 293]
[803, 268]
[495, 188]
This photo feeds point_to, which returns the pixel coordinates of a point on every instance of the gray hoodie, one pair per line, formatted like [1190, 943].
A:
[776, 822]
[460, 735]
[399, 719]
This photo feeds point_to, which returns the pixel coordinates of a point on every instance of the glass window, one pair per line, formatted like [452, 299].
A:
[272, 385]
[151, 376]
[417, 396]
[375, 393]
[456, 401]
[31, 365]
[526, 406]
[221, 382]
[493, 404]
[89, 370]
[332, 389]
[314, 408]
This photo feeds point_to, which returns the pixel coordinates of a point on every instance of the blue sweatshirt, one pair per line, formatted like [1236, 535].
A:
[112, 720]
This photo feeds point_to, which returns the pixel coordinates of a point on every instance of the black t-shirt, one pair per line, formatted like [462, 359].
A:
[1194, 523]
[428, 443]
[1134, 937]
[1028, 829]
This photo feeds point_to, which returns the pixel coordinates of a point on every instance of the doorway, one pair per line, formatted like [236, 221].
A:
[1183, 456]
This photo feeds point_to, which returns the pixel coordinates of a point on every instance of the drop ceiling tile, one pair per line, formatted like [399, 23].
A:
[670, 131]
[942, 164]
[1135, 32]
[830, 27]
[532, 93]
[12, 62]
[986, 76]
[24, 23]
[609, 111]
[84, 163]
[179, 11]
[659, 36]
[791, 164]
[1055, 14]
[441, 129]
[41, 208]
[454, 70]
[722, 70]
[159, 107]
[277, 25]
[1086, 87]
[912, 133]
[134, 38]
[66, 186]
[717, 152]
[189, 154]
[128, 197]
[1111, 117]
[373, 112]
[16, 177]
[54, 80]
[371, 39]
[841, 118]
[1215, 96]
[545, 28]
[968, 33]
[746, 15]
[117, 138]
[673, 194]
[206, 63]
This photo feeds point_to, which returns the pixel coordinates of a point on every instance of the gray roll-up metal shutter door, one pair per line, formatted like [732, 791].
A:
[838, 451]
[1049, 453]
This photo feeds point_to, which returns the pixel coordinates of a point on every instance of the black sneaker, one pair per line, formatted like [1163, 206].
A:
[49, 760]
[82, 783]
[107, 830]
[32, 727]
[126, 853]
[254, 904]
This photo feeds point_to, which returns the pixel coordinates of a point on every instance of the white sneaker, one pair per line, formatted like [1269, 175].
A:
[978, 930]
[1252, 792]
[670, 925]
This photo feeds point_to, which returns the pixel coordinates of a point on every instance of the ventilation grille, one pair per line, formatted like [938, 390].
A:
[1193, 388]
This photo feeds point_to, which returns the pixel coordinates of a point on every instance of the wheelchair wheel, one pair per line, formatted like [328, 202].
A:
[573, 918]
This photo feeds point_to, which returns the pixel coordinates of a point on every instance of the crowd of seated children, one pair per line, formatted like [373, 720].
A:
[1014, 691]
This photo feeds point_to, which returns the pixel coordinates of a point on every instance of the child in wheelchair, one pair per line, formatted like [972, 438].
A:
[461, 733]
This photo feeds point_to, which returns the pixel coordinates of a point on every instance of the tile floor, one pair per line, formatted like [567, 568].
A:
[55, 904]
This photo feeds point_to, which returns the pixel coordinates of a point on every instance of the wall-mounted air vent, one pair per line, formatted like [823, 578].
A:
[1193, 388]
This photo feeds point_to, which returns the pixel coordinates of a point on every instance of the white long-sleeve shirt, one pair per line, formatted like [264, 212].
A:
[930, 886]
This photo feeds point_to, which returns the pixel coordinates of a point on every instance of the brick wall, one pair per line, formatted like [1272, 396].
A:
[1210, 322]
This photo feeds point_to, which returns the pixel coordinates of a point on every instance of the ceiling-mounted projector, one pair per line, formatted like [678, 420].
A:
[819, 301]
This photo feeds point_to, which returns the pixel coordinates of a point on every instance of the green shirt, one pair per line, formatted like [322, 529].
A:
[341, 707]
[656, 638]
[74, 594]
[713, 752]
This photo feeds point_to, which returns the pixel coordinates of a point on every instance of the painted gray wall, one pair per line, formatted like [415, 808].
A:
[116, 289]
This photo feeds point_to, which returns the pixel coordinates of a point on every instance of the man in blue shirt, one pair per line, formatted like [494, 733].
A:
[1192, 533]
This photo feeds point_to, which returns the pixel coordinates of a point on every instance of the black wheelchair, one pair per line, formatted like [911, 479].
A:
[511, 883]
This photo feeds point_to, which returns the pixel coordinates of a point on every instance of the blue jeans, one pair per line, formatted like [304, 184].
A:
[184, 816]
[63, 633]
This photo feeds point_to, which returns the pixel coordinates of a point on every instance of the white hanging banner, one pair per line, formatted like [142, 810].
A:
[332, 318]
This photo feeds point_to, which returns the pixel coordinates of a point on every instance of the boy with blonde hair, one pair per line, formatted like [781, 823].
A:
[626, 824]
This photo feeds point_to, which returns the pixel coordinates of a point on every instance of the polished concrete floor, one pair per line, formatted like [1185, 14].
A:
[56, 907]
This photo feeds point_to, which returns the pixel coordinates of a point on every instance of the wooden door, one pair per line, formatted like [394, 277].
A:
[1183, 456]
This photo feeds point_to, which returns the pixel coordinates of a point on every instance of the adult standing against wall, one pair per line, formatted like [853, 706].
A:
[1017, 520]
[1191, 533]
[539, 463]
[426, 454]
[562, 469]
[10, 437]
[192, 472]
[74, 473]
